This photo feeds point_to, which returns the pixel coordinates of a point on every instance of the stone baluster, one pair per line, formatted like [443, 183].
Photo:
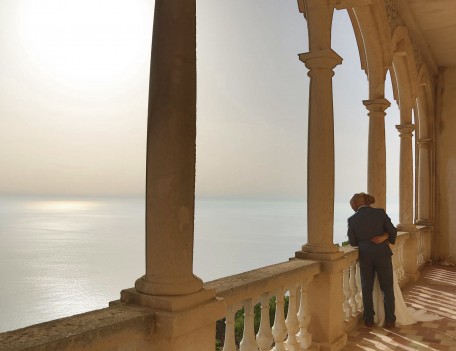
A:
[230, 342]
[352, 284]
[264, 336]
[292, 322]
[395, 262]
[248, 342]
[279, 330]
[401, 261]
[420, 249]
[304, 337]
[347, 293]
[359, 293]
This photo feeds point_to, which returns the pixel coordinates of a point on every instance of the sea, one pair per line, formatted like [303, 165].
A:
[61, 256]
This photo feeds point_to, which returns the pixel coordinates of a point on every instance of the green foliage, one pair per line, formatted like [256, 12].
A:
[239, 321]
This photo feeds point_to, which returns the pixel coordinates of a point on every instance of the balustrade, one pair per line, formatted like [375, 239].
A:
[286, 281]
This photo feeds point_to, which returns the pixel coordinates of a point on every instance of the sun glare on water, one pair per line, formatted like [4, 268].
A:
[56, 206]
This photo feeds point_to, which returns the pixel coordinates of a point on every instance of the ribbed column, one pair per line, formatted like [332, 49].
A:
[171, 135]
[406, 177]
[424, 182]
[320, 154]
[376, 161]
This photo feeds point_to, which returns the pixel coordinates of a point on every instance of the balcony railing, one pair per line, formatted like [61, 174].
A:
[290, 279]
[124, 326]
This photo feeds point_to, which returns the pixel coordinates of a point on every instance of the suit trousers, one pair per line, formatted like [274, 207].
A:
[383, 266]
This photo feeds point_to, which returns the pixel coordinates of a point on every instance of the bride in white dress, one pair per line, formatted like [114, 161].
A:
[404, 315]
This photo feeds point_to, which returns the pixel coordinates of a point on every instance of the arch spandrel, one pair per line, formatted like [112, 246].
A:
[425, 103]
[404, 59]
[370, 24]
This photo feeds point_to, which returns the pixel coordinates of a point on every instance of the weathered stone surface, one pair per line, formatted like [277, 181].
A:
[115, 328]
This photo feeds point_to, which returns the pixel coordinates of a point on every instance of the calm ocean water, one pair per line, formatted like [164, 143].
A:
[60, 257]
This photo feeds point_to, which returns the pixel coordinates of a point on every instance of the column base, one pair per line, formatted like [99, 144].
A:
[316, 252]
[166, 303]
[424, 222]
[413, 277]
[406, 227]
[181, 322]
[168, 286]
[334, 346]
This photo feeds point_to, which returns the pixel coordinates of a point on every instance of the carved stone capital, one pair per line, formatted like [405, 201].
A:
[346, 4]
[376, 107]
[326, 59]
[405, 130]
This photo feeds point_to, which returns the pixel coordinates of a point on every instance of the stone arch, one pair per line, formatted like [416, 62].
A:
[405, 72]
[370, 24]
[372, 32]
[425, 182]
[425, 102]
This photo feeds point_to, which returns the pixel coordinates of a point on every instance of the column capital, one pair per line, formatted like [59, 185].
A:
[376, 107]
[326, 59]
[424, 143]
[346, 4]
[405, 130]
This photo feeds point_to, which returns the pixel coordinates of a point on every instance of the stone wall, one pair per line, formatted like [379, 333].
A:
[445, 235]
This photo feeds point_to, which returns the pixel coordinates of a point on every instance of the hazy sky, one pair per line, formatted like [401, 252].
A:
[73, 99]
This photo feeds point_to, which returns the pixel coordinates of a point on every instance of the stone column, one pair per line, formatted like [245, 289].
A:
[320, 154]
[325, 293]
[376, 162]
[424, 182]
[171, 135]
[320, 60]
[184, 312]
[406, 177]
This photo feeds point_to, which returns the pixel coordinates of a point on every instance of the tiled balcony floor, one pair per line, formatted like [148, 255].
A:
[435, 291]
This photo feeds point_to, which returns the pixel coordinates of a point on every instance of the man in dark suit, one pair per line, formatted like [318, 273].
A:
[371, 230]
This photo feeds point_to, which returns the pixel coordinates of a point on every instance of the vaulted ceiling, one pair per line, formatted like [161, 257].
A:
[435, 22]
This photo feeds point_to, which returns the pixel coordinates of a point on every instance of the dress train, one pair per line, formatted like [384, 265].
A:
[404, 315]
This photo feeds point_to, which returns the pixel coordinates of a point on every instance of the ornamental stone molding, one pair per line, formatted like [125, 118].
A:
[319, 61]
[417, 53]
[394, 17]
[347, 4]
[376, 107]
[424, 143]
[405, 130]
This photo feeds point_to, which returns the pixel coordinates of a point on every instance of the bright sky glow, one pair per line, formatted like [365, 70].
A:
[73, 99]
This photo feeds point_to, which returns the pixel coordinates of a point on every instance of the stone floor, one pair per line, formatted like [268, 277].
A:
[435, 291]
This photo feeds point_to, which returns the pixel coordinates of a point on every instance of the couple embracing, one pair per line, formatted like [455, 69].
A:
[371, 230]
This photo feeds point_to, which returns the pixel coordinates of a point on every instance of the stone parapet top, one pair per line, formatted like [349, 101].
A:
[253, 284]
[82, 329]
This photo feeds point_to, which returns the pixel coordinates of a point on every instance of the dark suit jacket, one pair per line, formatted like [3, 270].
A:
[367, 223]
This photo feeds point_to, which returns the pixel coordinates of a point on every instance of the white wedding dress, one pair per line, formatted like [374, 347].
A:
[404, 315]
